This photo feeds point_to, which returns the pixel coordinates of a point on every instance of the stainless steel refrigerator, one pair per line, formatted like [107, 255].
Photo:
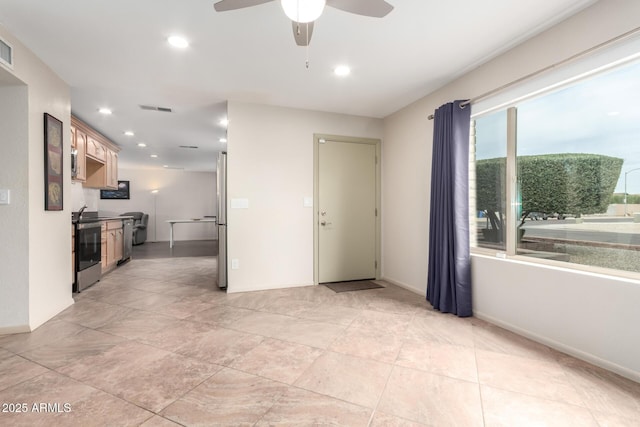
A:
[222, 219]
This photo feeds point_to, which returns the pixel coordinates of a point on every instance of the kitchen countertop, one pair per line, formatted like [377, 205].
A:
[93, 217]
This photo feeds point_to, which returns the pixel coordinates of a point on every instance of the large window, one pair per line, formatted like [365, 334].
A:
[490, 178]
[576, 174]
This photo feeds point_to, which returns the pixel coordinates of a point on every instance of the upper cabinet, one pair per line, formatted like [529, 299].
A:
[97, 156]
[112, 169]
[96, 150]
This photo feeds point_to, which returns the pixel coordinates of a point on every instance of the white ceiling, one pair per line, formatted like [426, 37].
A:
[113, 53]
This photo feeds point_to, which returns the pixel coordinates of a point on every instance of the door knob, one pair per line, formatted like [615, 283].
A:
[324, 223]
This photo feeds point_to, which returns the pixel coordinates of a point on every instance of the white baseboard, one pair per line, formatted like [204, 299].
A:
[578, 354]
[404, 286]
[235, 289]
[19, 329]
[41, 320]
[50, 313]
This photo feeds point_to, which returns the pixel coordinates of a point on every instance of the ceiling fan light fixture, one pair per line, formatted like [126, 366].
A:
[303, 11]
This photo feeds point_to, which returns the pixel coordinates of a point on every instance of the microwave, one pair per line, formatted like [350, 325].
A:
[74, 163]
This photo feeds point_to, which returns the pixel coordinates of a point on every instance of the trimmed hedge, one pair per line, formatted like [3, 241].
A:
[554, 183]
[632, 199]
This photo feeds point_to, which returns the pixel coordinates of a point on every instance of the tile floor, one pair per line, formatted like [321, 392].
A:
[156, 344]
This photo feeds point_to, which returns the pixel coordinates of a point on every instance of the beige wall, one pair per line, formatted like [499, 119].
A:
[45, 237]
[181, 195]
[270, 163]
[590, 316]
[14, 220]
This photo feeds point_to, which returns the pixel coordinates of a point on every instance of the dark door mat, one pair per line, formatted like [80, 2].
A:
[356, 285]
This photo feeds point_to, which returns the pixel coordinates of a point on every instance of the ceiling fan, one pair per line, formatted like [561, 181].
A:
[307, 11]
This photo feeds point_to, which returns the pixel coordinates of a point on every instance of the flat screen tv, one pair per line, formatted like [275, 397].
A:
[121, 193]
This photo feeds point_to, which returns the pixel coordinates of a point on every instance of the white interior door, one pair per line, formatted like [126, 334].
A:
[346, 211]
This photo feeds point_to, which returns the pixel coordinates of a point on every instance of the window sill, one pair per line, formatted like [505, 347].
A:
[563, 265]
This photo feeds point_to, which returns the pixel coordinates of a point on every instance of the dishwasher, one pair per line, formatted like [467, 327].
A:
[127, 240]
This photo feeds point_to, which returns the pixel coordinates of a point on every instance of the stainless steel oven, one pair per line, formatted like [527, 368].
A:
[88, 254]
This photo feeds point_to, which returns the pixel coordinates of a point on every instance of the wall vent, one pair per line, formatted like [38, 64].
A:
[6, 54]
[155, 108]
[188, 146]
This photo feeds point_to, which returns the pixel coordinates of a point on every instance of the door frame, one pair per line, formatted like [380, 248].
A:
[317, 138]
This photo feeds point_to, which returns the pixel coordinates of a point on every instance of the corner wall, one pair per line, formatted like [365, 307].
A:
[48, 237]
[14, 222]
[575, 312]
[270, 164]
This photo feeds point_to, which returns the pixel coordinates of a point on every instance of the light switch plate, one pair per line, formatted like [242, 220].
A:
[308, 202]
[5, 196]
[235, 264]
[239, 203]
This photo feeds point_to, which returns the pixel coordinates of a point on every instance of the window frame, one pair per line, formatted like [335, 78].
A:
[511, 184]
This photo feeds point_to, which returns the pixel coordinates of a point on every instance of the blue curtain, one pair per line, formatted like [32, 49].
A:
[449, 278]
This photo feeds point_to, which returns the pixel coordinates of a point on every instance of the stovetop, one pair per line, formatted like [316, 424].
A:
[93, 217]
[86, 217]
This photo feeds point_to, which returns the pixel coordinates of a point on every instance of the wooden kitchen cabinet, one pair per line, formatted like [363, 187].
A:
[96, 150]
[97, 156]
[96, 174]
[119, 244]
[113, 243]
[112, 170]
[103, 175]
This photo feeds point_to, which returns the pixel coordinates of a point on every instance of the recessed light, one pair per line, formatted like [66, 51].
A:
[178, 41]
[105, 111]
[224, 122]
[165, 166]
[613, 113]
[142, 144]
[342, 70]
[153, 156]
[223, 140]
[129, 133]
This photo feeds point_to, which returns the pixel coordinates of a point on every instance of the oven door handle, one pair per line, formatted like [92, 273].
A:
[87, 225]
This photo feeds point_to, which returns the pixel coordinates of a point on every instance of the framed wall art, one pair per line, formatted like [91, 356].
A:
[121, 193]
[53, 156]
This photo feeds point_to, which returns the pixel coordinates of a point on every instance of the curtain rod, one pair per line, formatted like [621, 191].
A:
[566, 61]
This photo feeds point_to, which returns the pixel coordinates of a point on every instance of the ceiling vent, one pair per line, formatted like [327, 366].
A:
[6, 54]
[188, 146]
[154, 108]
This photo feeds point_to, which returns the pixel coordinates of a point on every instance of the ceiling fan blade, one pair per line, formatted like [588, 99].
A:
[373, 8]
[225, 5]
[300, 32]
